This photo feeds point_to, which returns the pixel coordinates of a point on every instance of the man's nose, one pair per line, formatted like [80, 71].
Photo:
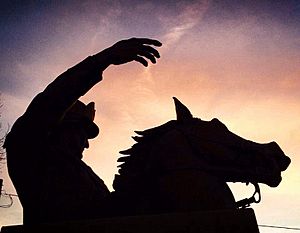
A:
[86, 145]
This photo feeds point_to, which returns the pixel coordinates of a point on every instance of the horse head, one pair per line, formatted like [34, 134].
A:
[185, 163]
[228, 155]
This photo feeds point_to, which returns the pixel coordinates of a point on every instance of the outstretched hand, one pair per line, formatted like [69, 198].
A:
[134, 49]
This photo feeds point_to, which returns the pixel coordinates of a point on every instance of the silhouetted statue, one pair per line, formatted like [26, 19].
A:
[45, 145]
[184, 165]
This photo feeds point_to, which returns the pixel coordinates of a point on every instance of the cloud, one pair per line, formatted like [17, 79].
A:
[189, 15]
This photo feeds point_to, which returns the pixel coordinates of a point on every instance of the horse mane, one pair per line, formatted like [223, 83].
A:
[136, 160]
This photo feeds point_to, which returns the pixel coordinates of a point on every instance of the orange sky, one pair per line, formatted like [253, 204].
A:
[242, 69]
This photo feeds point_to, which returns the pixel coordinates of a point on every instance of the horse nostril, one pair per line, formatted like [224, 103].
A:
[286, 163]
[283, 160]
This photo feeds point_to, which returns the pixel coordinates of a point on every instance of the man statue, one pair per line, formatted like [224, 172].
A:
[44, 147]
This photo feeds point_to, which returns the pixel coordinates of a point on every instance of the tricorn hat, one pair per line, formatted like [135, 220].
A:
[79, 112]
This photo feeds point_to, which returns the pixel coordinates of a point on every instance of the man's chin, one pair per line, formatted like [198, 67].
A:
[79, 154]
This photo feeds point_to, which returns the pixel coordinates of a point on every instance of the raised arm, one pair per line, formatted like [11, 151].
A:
[48, 107]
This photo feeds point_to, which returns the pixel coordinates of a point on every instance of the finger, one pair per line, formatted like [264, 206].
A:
[141, 60]
[147, 41]
[147, 55]
[151, 50]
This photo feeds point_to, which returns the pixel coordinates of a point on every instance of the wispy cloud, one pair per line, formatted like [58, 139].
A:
[189, 16]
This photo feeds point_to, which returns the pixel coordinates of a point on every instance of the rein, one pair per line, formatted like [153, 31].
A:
[242, 204]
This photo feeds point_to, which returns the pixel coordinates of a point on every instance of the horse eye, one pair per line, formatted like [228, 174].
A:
[215, 120]
[218, 123]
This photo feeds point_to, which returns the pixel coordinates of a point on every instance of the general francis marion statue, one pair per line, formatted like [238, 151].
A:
[182, 165]
[45, 145]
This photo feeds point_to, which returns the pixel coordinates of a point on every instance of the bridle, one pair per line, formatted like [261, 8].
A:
[241, 204]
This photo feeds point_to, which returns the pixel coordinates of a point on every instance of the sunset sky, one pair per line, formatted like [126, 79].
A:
[238, 61]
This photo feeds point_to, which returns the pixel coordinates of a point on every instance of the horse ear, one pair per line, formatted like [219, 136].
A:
[182, 112]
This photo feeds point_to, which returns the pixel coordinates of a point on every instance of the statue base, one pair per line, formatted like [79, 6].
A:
[225, 221]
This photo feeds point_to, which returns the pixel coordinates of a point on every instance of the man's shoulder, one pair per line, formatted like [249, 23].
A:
[22, 134]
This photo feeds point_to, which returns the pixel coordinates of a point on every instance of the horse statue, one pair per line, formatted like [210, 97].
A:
[184, 164]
